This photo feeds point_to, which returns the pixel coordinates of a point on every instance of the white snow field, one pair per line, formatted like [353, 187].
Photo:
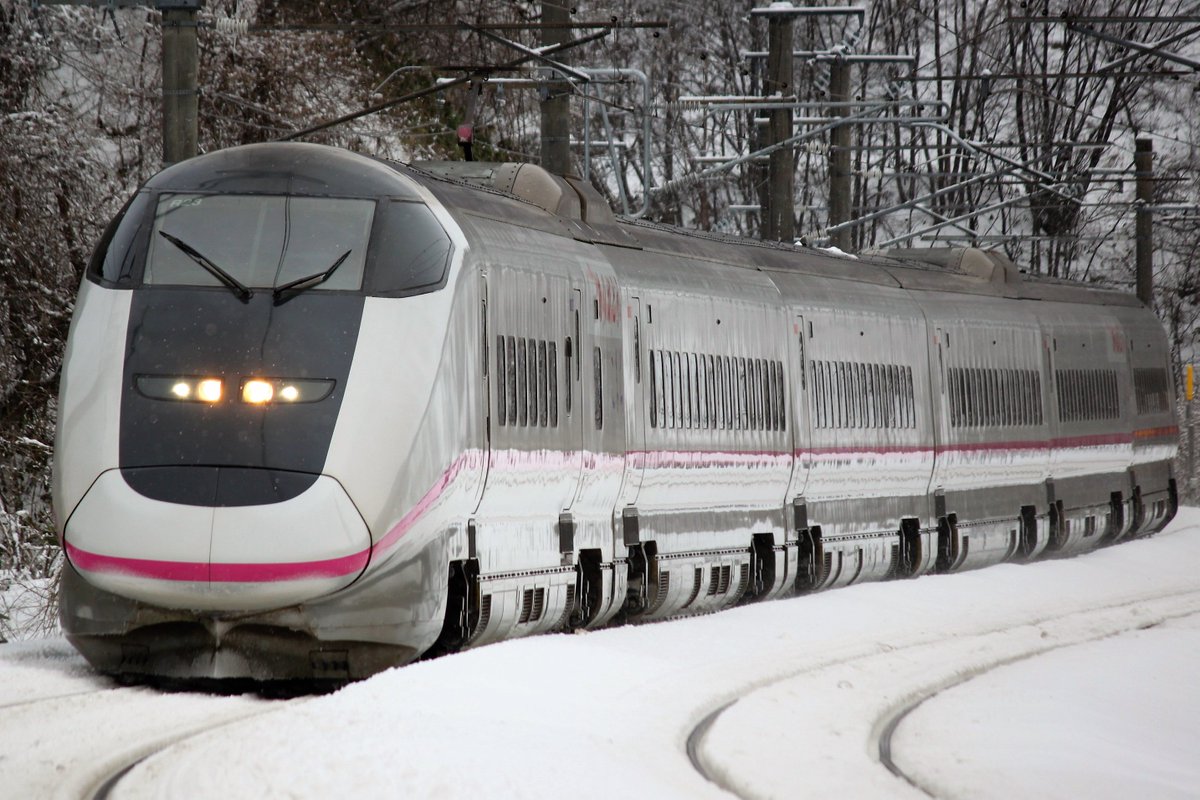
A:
[1073, 678]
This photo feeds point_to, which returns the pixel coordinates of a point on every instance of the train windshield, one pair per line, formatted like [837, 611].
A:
[259, 241]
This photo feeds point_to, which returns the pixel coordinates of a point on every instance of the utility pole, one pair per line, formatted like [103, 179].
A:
[839, 154]
[180, 65]
[780, 216]
[556, 102]
[1143, 167]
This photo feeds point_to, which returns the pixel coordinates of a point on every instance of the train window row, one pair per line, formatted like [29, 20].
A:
[694, 390]
[1087, 394]
[526, 382]
[852, 395]
[994, 397]
[1150, 387]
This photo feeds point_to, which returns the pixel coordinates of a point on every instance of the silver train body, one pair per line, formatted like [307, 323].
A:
[438, 407]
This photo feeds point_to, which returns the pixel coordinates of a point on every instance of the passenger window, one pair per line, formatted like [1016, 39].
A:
[543, 387]
[830, 380]
[599, 388]
[726, 394]
[972, 383]
[754, 389]
[534, 388]
[723, 392]
[660, 371]
[501, 401]
[676, 395]
[567, 375]
[858, 395]
[511, 376]
[858, 375]
[522, 386]
[552, 381]
[653, 392]
[817, 382]
[690, 409]
[637, 351]
[711, 389]
[773, 404]
[685, 411]
[744, 401]
[768, 410]
[1022, 397]
[669, 389]
[783, 407]
[820, 383]
[873, 416]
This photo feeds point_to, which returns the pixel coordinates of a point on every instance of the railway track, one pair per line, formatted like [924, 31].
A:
[106, 788]
[82, 744]
[881, 688]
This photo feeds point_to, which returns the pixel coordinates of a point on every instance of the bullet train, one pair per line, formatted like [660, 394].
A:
[322, 414]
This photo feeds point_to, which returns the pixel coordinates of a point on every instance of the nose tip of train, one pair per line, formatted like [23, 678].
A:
[245, 558]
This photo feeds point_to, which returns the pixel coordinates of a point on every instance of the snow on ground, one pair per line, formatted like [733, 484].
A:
[793, 696]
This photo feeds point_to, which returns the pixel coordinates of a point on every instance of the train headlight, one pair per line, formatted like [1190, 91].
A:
[286, 391]
[209, 390]
[257, 391]
[253, 391]
[302, 390]
[180, 387]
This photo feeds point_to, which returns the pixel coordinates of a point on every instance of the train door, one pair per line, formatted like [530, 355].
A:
[489, 378]
[1050, 396]
[801, 422]
[938, 399]
[636, 377]
[574, 404]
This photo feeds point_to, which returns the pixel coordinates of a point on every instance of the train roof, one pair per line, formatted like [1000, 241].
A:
[284, 168]
[581, 212]
[526, 194]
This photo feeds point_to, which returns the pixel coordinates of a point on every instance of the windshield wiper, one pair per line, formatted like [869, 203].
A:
[239, 288]
[300, 284]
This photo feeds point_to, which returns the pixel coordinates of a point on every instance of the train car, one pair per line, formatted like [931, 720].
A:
[322, 414]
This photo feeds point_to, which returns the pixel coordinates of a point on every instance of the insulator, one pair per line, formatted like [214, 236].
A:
[684, 105]
[232, 25]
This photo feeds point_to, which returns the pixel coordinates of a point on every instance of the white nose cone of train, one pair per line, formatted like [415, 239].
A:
[240, 558]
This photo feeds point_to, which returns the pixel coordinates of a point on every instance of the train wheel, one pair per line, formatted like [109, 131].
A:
[913, 555]
[589, 594]
[948, 549]
[814, 567]
[462, 608]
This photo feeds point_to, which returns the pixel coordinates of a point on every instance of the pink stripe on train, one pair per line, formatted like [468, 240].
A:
[203, 572]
